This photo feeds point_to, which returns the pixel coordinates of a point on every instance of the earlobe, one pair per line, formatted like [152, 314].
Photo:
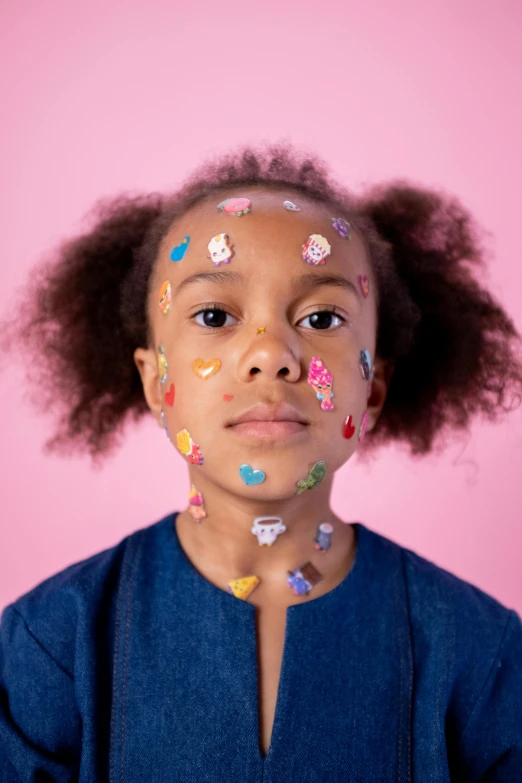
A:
[147, 364]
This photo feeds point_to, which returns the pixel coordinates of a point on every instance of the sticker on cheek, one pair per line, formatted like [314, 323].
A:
[188, 448]
[235, 206]
[228, 397]
[177, 253]
[314, 478]
[365, 365]
[364, 284]
[163, 367]
[220, 250]
[321, 381]
[165, 296]
[316, 249]
[196, 507]
[169, 396]
[363, 425]
[348, 428]
[342, 227]
[205, 370]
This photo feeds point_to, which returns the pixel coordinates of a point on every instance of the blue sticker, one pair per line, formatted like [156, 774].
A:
[177, 253]
[251, 476]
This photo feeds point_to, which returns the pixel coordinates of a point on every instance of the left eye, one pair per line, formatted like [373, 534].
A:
[214, 317]
[323, 319]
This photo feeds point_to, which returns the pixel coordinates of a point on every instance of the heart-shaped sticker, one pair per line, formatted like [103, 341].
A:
[169, 396]
[251, 476]
[204, 370]
[228, 397]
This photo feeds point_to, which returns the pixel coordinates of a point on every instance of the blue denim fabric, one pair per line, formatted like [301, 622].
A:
[130, 666]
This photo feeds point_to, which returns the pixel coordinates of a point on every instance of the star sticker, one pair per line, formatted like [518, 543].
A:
[261, 329]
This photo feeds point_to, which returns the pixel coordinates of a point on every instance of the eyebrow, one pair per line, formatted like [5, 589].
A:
[302, 284]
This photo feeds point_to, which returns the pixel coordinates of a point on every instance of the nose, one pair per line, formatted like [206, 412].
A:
[270, 356]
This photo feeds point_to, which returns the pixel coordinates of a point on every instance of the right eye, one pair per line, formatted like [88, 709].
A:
[214, 317]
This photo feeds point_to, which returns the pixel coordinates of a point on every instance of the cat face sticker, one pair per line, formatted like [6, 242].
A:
[220, 249]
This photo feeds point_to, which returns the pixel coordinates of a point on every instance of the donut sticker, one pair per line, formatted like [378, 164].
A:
[316, 249]
[235, 206]
[165, 297]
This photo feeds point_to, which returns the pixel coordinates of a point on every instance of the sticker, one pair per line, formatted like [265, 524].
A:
[196, 507]
[365, 365]
[267, 529]
[228, 397]
[314, 478]
[304, 578]
[169, 396]
[242, 588]
[321, 380]
[364, 424]
[291, 207]
[164, 420]
[342, 227]
[323, 538]
[205, 370]
[251, 476]
[261, 329]
[220, 250]
[188, 448]
[364, 284]
[316, 249]
[348, 428]
[177, 253]
[235, 206]
[162, 364]
[165, 297]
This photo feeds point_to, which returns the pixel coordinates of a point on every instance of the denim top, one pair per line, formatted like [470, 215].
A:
[131, 666]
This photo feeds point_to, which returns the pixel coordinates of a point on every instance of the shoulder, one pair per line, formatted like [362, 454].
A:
[81, 596]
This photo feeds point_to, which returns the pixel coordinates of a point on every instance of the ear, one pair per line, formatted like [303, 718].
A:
[382, 373]
[147, 363]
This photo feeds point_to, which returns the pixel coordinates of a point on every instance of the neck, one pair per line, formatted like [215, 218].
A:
[223, 547]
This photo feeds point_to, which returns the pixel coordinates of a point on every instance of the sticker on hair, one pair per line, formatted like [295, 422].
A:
[320, 379]
[235, 206]
[365, 365]
[188, 448]
[169, 396]
[196, 507]
[303, 579]
[205, 370]
[363, 425]
[178, 252]
[323, 538]
[241, 588]
[220, 249]
[250, 476]
[342, 227]
[316, 249]
[348, 428]
[165, 297]
[316, 475]
[163, 367]
[291, 207]
[267, 529]
[364, 284]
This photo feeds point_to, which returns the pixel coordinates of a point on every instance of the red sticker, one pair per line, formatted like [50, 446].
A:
[228, 397]
[169, 396]
[348, 428]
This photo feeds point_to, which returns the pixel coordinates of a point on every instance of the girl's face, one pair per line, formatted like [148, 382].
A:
[239, 340]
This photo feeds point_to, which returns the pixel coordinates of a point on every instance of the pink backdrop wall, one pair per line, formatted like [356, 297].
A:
[104, 96]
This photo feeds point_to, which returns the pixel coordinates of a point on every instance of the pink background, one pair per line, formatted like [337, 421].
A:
[104, 96]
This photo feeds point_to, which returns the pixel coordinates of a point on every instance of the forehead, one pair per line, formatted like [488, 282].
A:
[267, 240]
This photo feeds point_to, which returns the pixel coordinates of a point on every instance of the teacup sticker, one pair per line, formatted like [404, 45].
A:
[177, 253]
[316, 249]
[320, 379]
[220, 249]
[235, 206]
[267, 529]
[188, 448]
[162, 364]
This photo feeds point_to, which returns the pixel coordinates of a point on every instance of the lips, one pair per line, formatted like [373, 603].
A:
[267, 422]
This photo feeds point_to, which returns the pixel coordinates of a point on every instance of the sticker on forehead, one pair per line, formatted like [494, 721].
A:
[220, 249]
[177, 253]
[165, 297]
[188, 448]
[316, 249]
[163, 367]
[291, 207]
[342, 227]
[321, 380]
[235, 206]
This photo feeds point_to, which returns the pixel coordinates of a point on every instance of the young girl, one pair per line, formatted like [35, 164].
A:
[274, 325]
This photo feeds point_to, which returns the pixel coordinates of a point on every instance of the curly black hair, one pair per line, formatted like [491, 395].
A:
[454, 349]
